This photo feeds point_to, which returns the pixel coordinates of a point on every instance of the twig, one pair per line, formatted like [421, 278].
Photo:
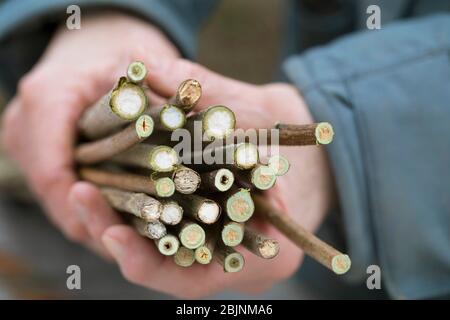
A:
[100, 150]
[167, 117]
[279, 164]
[190, 234]
[123, 181]
[138, 204]
[246, 155]
[165, 187]
[286, 135]
[259, 244]
[199, 208]
[205, 252]
[237, 203]
[219, 180]
[228, 258]
[124, 103]
[171, 213]
[156, 158]
[217, 122]
[168, 245]
[136, 72]
[186, 180]
[262, 177]
[232, 156]
[153, 230]
[309, 243]
[232, 233]
[184, 257]
[307, 134]
[188, 94]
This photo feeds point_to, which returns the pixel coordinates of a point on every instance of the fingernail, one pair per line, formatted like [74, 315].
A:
[113, 246]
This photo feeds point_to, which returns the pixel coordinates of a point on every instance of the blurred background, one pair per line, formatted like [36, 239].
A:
[243, 39]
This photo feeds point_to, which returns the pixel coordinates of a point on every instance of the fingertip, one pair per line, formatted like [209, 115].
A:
[87, 202]
[137, 257]
[83, 192]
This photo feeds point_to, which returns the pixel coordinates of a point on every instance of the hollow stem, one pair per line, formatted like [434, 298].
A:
[228, 258]
[219, 180]
[168, 245]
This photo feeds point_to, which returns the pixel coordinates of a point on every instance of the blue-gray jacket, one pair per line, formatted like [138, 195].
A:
[387, 93]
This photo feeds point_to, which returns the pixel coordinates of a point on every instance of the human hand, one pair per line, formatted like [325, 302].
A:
[304, 193]
[40, 123]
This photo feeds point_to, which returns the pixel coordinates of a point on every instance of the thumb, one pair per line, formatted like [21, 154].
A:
[165, 75]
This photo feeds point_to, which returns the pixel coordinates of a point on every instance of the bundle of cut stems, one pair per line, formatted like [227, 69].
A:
[195, 207]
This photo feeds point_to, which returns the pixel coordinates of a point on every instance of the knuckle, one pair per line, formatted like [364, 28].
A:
[31, 82]
[190, 69]
[31, 85]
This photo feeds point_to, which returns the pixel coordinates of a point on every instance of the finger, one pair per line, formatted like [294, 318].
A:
[87, 202]
[165, 75]
[154, 99]
[141, 263]
[42, 144]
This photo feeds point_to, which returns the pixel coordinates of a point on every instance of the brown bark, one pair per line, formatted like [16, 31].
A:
[103, 149]
[259, 244]
[123, 181]
[308, 242]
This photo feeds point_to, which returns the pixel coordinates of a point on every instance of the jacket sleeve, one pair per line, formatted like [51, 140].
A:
[26, 26]
[387, 94]
[179, 19]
